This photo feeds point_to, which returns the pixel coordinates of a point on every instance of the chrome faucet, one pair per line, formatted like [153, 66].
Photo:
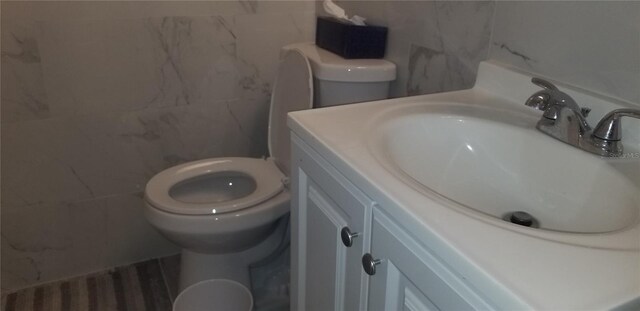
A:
[552, 101]
[564, 120]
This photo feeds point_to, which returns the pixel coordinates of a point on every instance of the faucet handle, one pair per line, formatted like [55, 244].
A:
[544, 84]
[609, 128]
[542, 100]
[551, 100]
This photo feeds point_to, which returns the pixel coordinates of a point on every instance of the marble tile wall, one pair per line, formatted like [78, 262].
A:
[436, 45]
[97, 97]
[590, 44]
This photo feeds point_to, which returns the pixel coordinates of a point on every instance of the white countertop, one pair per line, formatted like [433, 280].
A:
[512, 268]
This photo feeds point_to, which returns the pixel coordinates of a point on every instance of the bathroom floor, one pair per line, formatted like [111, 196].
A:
[136, 287]
[150, 285]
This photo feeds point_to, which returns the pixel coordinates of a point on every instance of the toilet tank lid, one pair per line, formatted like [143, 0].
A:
[329, 66]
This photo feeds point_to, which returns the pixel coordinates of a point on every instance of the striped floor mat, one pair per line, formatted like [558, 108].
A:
[138, 287]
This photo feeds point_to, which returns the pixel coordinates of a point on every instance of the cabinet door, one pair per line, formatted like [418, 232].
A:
[327, 274]
[409, 277]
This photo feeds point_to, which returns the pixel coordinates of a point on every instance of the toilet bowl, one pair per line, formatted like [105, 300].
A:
[222, 211]
[218, 205]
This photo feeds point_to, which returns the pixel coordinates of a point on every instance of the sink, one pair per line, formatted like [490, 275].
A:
[445, 169]
[491, 162]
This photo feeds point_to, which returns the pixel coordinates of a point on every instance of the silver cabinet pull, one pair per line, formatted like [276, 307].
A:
[369, 264]
[348, 236]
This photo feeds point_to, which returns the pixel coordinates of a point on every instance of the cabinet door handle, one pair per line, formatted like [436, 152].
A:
[369, 264]
[348, 236]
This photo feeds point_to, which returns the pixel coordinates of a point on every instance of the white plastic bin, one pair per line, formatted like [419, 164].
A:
[214, 295]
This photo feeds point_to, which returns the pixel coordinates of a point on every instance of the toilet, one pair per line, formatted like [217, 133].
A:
[222, 211]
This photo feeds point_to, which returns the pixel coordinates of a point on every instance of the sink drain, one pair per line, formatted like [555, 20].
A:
[522, 219]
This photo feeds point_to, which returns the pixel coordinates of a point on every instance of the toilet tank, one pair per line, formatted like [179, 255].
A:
[338, 81]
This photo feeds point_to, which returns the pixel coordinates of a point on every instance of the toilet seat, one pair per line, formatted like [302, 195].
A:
[192, 188]
[266, 175]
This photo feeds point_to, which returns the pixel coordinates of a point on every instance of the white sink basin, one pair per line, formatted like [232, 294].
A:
[494, 162]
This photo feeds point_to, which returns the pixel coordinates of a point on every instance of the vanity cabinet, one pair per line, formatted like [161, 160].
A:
[407, 276]
[347, 254]
[330, 232]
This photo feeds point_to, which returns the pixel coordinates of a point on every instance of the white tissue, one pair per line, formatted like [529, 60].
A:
[358, 20]
[339, 13]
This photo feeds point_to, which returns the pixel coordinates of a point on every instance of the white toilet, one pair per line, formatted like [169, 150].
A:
[221, 210]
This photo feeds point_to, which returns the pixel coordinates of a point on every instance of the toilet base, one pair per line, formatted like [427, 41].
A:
[196, 267]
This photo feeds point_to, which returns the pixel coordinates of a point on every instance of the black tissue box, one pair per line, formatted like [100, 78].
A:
[351, 41]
